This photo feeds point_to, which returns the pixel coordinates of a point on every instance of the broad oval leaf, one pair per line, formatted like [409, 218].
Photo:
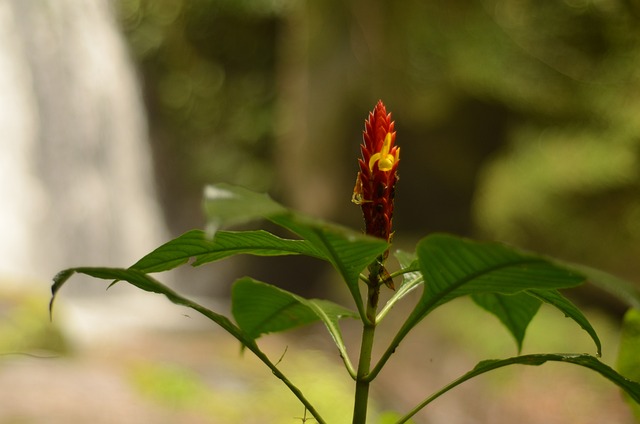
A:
[454, 266]
[261, 308]
[195, 244]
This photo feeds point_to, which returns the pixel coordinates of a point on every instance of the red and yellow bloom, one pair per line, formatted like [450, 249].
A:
[376, 181]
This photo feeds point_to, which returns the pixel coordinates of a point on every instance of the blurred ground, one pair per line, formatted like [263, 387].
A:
[181, 370]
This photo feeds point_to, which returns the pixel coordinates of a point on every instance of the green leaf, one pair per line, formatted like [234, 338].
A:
[515, 311]
[410, 269]
[141, 280]
[554, 298]
[227, 205]
[629, 354]
[350, 252]
[261, 308]
[630, 387]
[411, 278]
[195, 244]
[624, 290]
[454, 267]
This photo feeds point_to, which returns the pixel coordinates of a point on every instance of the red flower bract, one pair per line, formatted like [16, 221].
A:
[375, 184]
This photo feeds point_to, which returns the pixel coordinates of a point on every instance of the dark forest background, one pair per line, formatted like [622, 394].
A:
[518, 120]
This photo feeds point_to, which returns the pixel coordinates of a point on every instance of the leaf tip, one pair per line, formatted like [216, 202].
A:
[58, 280]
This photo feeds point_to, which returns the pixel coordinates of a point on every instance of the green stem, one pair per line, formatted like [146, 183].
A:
[276, 372]
[364, 362]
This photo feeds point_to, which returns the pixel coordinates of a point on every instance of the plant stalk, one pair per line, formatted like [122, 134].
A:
[361, 399]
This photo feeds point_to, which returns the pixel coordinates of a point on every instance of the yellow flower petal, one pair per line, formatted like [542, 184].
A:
[384, 159]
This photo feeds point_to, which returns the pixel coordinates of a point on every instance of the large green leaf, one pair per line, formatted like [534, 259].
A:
[195, 244]
[261, 308]
[630, 387]
[350, 252]
[454, 267]
[629, 353]
[515, 311]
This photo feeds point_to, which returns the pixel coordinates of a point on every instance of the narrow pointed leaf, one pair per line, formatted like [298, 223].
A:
[145, 282]
[515, 311]
[630, 387]
[554, 298]
[195, 244]
[261, 308]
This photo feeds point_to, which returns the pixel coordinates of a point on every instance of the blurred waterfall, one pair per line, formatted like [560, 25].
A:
[76, 184]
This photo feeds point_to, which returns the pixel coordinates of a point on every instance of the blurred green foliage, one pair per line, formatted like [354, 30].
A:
[25, 327]
[208, 72]
[518, 120]
[236, 381]
[628, 358]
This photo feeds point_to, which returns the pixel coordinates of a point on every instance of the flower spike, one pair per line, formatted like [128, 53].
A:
[375, 183]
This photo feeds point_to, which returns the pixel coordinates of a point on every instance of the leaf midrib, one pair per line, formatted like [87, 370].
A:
[436, 299]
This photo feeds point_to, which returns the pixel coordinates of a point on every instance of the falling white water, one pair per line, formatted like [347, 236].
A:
[76, 184]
